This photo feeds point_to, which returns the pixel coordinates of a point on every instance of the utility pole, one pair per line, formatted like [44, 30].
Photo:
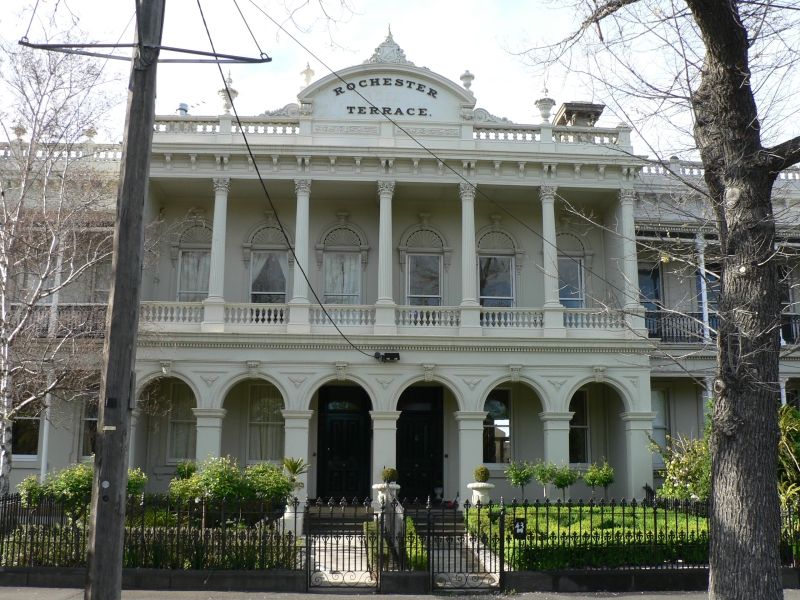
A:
[109, 495]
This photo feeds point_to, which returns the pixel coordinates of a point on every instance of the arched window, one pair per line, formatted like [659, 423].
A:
[579, 429]
[498, 261]
[497, 427]
[265, 431]
[193, 251]
[342, 255]
[425, 256]
[267, 254]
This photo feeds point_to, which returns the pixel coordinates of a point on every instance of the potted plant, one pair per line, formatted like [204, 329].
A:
[481, 488]
[386, 491]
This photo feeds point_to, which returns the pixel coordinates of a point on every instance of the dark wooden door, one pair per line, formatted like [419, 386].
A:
[419, 442]
[343, 449]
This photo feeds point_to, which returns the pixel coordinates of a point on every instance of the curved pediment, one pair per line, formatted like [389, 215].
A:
[387, 84]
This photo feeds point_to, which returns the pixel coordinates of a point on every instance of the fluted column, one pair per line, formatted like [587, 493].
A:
[302, 188]
[298, 312]
[384, 310]
[553, 311]
[627, 229]
[214, 304]
[470, 308]
[700, 246]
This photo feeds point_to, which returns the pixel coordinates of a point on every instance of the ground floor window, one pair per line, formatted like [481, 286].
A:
[265, 424]
[497, 427]
[89, 441]
[25, 434]
[579, 429]
[182, 423]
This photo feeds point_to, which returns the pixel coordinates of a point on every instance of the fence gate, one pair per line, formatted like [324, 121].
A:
[464, 545]
[340, 537]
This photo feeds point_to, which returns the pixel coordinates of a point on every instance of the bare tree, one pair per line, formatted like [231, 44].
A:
[705, 67]
[56, 219]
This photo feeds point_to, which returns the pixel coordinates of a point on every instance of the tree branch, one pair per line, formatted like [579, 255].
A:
[784, 155]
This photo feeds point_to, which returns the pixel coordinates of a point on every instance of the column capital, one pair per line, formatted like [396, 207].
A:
[385, 187]
[221, 184]
[302, 186]
[384, 415]
[470, 419]
[297, 415]
[466, 191]
[637, 420]
[627, 195]
[547, 193]
[209, 413]
[556, 416]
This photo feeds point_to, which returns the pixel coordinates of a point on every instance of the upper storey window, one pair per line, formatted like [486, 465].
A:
[572, 259]
[194, 263]
[342, 255]
[268, 255]
[425, 257]
[496, 268]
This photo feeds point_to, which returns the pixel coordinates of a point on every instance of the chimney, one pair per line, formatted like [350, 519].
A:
[183, 109]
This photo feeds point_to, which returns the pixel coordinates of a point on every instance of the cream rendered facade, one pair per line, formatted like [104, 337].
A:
[515, 309]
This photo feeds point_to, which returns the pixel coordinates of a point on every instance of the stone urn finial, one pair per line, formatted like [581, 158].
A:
[19, 130]
[545, 105]
[466, 79]
[308, 74]
[228, 95]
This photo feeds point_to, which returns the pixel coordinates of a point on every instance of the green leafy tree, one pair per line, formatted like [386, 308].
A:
[599, 476]
[519, 474]
[564, 477]
[545, 474]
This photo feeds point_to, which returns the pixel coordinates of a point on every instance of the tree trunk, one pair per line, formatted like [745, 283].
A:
[745, 517]
[6, 430]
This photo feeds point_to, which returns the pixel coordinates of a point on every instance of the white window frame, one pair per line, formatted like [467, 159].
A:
[28, 457]
[252, 395]
[171, 458]
[285, 292]
[509, 397]
[581, 284]
[511, 275]
[587, 428]
[180, 292]
[325, 294]
[409, 257]
[658, 460]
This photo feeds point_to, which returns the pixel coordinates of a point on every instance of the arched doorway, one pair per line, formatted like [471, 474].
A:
[420, 448]
[344, 437]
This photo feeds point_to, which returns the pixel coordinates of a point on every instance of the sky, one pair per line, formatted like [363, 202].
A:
[447, 36]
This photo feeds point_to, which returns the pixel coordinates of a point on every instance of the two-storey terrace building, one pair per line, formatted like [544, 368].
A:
[387, 274]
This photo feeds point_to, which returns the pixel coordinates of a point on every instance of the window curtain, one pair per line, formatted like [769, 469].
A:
[182, 425]
[266, 426]
[268, 274]
[342, 277]
[195, 270]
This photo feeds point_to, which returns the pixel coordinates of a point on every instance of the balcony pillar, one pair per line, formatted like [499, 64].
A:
[385, 306]
[470, 308]
[214, 304]
[782, 382]
[209, 432]
[135, 415]
[630, 273]
[700, 246]
[638, 459]
[470, 448]
[298, 312]
[295, 444]
[384, 442]
[553, 311]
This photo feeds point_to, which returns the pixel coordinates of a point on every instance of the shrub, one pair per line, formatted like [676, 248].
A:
[481, 474]
[519, 474]
[269, 483]
[416, 552]
[599, 476]
[390, 474]
[185, 469]
[687, 469]
[564, 477]
[31, 492]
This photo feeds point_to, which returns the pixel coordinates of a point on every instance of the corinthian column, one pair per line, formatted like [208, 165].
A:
[384, 309]
[214, 304]
[553, 311]
[470, 309]
[298, 311]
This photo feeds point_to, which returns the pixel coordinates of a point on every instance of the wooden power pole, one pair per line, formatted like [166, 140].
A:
[104, 580]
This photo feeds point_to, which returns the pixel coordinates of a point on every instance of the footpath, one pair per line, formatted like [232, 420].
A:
[73, 594]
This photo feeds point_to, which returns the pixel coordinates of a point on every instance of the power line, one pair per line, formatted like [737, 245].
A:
[269, 198]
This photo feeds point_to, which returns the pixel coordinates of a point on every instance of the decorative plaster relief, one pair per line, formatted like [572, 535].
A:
[346, 129]
[341, 371]
[297, 380]
[515, 372]
[209, 379]
[557, 383]
[472, 381]
[384, 381]
[252, 367]
[428, 372]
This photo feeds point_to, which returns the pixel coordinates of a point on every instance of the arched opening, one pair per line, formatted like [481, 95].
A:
[344, 433]
[253, 428]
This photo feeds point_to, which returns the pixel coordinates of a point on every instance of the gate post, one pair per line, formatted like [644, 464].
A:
[502, 533]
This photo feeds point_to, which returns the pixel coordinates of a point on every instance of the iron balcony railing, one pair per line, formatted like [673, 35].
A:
[686, 328]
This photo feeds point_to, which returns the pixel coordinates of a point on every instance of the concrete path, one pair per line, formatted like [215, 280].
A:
[62, 594]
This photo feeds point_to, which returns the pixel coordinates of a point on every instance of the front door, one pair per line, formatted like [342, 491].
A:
[419, 443]
[343, 449]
